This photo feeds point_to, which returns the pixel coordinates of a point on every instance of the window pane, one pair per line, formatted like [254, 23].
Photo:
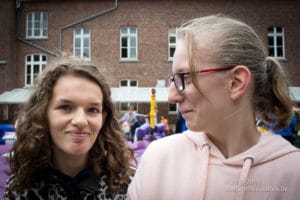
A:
[124, 53]
[86, 52]
[36, 58]
[37, 32]
[132, 52]
[124, 30]
[271, 51]
[172, 40]
[132, 30]
[45, 32]
[172, 50]
[270, 41]
[133, 83]
[37, 16]
[28, 58]
[132, 41]
[28, 79]
[172, 107]
[86, 42]
[279, 52]
[279, 41]
[124, 42]
[77, 31]
[86, 31]
[123, 83]
[28, 69]
[279, 29]
[77, 42]
[45, 17]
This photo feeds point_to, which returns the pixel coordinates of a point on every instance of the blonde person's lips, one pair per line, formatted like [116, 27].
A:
[185, 113]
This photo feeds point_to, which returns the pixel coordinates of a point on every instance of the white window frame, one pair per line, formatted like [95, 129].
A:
[79, 51]
[171, 45]
[30, 65]
[37, 26]
[130, 36]
[274, 35]
[129, 81]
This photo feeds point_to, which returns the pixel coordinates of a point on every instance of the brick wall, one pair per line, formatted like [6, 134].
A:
[152, 19]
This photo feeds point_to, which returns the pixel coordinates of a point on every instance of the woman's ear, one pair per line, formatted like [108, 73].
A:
[240, 79]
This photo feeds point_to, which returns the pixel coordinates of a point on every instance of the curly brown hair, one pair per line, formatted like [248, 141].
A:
[32, 151]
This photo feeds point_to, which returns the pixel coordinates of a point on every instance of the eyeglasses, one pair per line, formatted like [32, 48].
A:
[180, 77]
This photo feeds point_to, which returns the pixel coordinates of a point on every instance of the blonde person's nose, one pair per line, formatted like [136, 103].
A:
[79, 118]
[173, 95]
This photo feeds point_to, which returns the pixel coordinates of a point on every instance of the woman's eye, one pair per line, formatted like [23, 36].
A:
[94, 110]
[187, 79]
[64, 107]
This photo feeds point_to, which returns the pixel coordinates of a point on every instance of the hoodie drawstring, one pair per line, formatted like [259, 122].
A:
[243, 178]
[204, 168]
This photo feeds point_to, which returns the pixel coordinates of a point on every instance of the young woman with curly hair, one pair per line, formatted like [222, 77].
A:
[69, 143]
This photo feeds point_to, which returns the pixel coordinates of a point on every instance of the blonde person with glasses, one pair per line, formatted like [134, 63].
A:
[222, 80]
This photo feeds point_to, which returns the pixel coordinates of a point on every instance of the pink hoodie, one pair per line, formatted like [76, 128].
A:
[189, 166]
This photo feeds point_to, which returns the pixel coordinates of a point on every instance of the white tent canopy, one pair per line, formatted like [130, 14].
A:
[295, 93]
[121, 94]
[15, 96]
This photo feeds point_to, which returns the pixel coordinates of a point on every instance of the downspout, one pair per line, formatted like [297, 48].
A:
[83, 20]
[18, 5]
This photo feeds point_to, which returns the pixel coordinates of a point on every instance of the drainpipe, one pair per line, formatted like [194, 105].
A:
[84, 20]
[18, 5]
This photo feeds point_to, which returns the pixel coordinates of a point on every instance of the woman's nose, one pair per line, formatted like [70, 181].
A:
[79, 118]
[173, 95]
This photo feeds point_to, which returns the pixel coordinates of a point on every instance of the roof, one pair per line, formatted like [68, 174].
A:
[121, 94]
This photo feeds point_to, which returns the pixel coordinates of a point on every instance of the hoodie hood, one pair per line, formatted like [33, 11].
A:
[269, 147]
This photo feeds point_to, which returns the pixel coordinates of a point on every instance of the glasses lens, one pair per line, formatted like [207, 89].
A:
[178, 80]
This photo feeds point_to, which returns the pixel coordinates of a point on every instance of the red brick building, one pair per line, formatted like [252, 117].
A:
[134, 39]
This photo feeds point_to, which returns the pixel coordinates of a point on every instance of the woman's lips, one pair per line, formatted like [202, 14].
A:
[78, 134]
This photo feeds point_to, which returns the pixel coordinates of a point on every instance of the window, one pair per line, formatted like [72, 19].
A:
[35, 64]
[128, 83]
[82, 43]
[128, 43]
[37, 25]
[173, 108]
[172, 43]
[276, 42]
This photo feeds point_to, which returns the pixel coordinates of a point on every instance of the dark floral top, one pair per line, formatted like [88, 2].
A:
[57, 186]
